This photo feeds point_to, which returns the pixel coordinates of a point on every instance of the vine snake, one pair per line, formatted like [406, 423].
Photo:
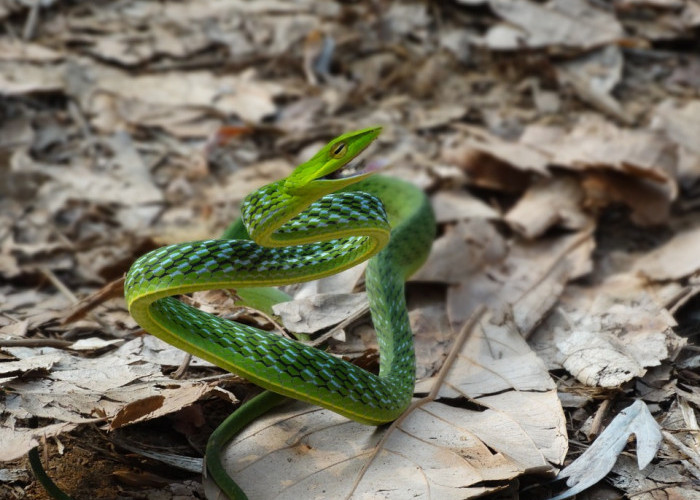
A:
[325, 217]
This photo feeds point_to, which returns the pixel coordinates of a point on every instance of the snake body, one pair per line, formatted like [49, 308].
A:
[312, 224]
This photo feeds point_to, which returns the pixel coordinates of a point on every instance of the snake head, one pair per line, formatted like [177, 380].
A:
[332, 167]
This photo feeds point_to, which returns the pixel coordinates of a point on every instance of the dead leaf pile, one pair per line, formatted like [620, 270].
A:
[557, 141]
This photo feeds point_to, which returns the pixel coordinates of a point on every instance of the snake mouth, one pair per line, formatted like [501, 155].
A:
[350, 169]
[355, 168]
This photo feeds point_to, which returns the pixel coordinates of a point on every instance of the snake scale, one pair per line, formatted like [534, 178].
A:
[326, 216]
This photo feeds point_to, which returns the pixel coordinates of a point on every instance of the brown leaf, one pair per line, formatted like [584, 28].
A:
[572, 23]
[675, 259]
[549, 202]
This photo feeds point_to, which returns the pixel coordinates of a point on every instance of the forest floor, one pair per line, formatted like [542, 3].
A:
[558, 141]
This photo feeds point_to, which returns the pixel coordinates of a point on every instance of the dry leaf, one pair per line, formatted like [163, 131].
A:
[655, 482]
[675, 259]
[160, 99]
[443, 449]
[594, 76]
[524, 284]
[18, 78]
[596, 143]
[452, 206]
[432, 337]
[645, 160]
[311, 314]
[680, 121]
[80, 388]
[40, 362]
[312, 453]
[548, 202]
[461, 151]
[608, 333]
[594, 464]
[461, 251]
[13, 49]
[17, 442]
[345, 282]
[167, 401]
[568, 23]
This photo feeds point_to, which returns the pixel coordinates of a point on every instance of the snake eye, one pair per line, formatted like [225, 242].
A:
[338, 150]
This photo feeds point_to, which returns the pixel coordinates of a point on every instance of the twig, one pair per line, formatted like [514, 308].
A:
[180, 372]
[35, 343]
[110, 290]
[692, 455]
[58, 284]
[32, 20]
[600, 415]
[65, 291]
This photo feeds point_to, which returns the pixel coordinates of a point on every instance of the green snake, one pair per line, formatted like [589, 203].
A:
[325, 217]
